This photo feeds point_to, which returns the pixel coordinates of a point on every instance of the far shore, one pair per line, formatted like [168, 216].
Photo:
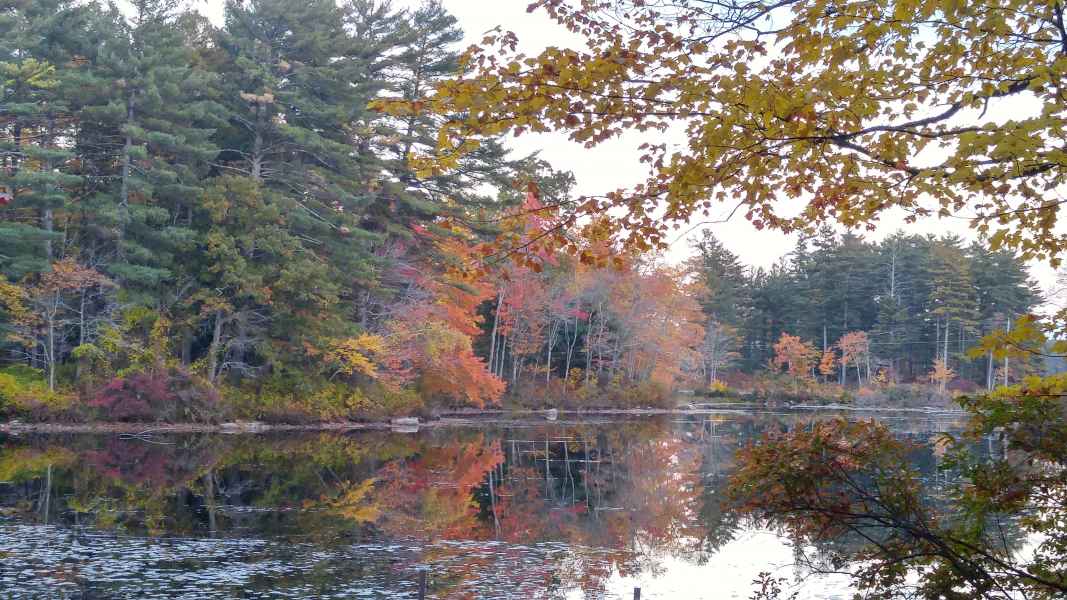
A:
[465, 418]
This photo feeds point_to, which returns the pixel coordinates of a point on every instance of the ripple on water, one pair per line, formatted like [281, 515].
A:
[46, 562]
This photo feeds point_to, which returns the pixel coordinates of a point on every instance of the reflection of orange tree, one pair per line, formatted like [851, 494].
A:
[663, 497]
[433, 493]
[639, 503]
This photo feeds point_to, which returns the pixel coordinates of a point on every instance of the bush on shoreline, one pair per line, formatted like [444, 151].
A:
[773, 388]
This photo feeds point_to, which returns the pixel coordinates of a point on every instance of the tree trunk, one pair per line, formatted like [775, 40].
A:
[501, 355]
[496, 326]
[215, 349]
[989, 372]
[945, 358]
[79, 367]
[127, 165]
[548, 352]
[514, 365]
[257, 146]
[187, 348]
[1008, 328]
[588, 352]
[600, 343]
[570, 349]
[47, 217]
[50, 350]
[937, 336]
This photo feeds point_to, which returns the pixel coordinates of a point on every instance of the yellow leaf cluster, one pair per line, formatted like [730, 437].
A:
[355, 355]
[13, 300]
[354, 502]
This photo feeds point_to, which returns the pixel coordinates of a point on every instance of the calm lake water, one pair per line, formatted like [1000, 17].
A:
[523, 510]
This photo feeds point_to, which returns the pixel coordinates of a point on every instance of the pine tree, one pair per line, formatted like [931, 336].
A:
[723, 280]
[149, 135]
[39, 53]
[897, 330]
[1003, 291]
[775, 306]
[296, 86]
[428, 51]
[952, 301]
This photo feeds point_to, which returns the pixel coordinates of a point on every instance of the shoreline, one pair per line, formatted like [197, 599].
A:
[450, 419]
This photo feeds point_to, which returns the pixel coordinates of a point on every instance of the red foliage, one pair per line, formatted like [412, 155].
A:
[154, 396]
[133, 398]
[430, 336]
[154, 466]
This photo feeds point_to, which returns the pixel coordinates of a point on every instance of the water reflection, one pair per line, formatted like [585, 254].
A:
[508, 511]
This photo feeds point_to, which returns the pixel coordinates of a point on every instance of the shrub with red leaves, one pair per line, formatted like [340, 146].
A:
[166, 396]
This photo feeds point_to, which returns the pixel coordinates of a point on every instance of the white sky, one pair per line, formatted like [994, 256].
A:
[615, 164]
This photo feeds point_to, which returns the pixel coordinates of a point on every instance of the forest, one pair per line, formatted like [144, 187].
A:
[892, 307]
[201, 221]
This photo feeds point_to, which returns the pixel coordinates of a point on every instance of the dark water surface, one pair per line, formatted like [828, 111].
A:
[524, 510]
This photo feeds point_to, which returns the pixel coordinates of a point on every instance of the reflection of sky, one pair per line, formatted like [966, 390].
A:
[730, 573]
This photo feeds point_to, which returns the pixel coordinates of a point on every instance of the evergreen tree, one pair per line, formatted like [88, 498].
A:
[723, 279]
[775, 306]
[39, 53]
[1003, 292]
[148, 134]
[953, 301]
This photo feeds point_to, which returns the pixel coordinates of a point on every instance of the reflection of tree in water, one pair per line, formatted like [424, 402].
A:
[622, 497]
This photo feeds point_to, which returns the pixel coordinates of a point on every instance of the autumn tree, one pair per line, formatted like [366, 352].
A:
[941, 374]
[796, 356]
[53, 302]
[828, 363]
[855, 349]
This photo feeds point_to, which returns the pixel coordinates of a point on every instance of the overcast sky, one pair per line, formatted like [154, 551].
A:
[615, 163]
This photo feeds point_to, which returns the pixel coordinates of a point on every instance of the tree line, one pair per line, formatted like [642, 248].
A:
[897, 306]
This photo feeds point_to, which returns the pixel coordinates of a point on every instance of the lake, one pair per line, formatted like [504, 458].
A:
[586, 509]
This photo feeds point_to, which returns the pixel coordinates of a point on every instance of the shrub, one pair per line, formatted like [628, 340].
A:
[718, 389]
[171, 395]
[640, 394]
[24, 393]
[286, 398]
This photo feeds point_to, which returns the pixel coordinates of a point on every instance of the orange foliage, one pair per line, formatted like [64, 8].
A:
[854, 347]
[828, 363]
[941, 374]
[795, 355]
[429, 340]
[432, 494]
